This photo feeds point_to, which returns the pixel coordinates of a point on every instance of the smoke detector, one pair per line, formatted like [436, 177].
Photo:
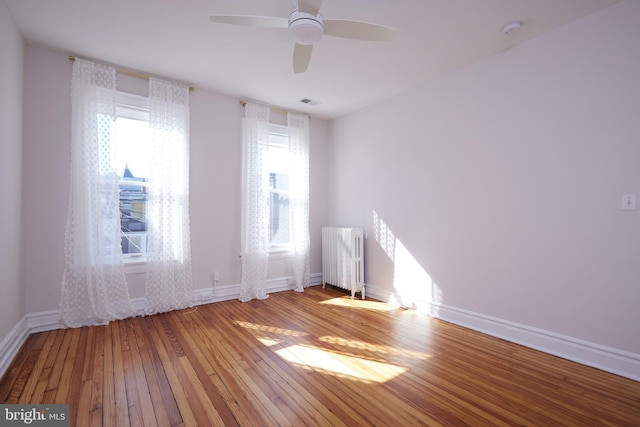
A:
[512, 28]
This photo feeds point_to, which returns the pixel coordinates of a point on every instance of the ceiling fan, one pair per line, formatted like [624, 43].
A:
[307, 26]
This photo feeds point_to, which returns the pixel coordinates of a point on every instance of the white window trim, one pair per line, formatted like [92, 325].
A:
[279, 251]
[136, 107]
[132, 106]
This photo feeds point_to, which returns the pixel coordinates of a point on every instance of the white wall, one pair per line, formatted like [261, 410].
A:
[499, 186]
[12, 297]
[46, 172]
[215, 182]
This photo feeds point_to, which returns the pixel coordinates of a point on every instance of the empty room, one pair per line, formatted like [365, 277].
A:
[320, 212]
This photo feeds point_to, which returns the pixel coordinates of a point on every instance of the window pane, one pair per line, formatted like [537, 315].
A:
[278, 166]
[132, 161]
[279, 227]
[133, 217]
[278, 159]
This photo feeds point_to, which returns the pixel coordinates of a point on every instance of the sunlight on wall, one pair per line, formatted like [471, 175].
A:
[384, 236]
[412, 285]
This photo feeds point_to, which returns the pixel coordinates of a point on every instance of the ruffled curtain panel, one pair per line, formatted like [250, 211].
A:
[298, 129]
[94, 288]
[255, 203]
[169, 283]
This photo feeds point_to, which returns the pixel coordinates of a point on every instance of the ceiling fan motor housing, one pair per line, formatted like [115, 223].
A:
[305, 28]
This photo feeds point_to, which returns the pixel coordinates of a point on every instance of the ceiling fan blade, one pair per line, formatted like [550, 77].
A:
[358, 30]
[309, 6]
[301, 57]
[254, 21]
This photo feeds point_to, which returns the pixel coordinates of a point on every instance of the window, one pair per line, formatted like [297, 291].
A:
[278, 167]
[275, 198]
[131, 148]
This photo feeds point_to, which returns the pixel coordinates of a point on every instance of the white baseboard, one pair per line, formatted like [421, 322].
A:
[619, 362]
[11, 344]
[49, 320]
[229, 292]
[44, 321]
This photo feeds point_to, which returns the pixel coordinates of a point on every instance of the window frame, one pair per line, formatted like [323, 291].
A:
[134, 107]
[278, 137]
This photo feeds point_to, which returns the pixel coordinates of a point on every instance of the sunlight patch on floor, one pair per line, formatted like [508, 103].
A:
[270, 329]
[352, 359]
[341, 365]
[358, 303]
[268, 341]
[374, 348]
[266, 334]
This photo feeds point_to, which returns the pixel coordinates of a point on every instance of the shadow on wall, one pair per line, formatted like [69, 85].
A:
[412, 285]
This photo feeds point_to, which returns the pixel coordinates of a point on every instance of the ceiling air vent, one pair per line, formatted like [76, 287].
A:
[309, 101]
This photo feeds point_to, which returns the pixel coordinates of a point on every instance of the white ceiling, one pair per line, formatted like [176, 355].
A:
[175, 39]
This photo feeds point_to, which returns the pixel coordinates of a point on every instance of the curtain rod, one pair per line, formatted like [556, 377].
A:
[277, 110]
[130, 72]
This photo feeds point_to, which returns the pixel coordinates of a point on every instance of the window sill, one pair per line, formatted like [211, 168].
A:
[280, 253]
[135, 265]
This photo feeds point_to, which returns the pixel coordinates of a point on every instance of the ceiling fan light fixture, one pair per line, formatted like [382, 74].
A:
[305, 28]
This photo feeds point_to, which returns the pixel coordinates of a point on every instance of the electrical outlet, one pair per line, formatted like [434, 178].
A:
[628, 202]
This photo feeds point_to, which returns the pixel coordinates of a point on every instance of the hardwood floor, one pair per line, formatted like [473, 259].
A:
[312, 358]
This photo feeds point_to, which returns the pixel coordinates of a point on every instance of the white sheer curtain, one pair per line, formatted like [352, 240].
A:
[255, 203]
[94, 289]
[169, 283]
[298, 128]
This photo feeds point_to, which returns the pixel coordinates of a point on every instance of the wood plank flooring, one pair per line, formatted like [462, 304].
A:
[312, 358]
